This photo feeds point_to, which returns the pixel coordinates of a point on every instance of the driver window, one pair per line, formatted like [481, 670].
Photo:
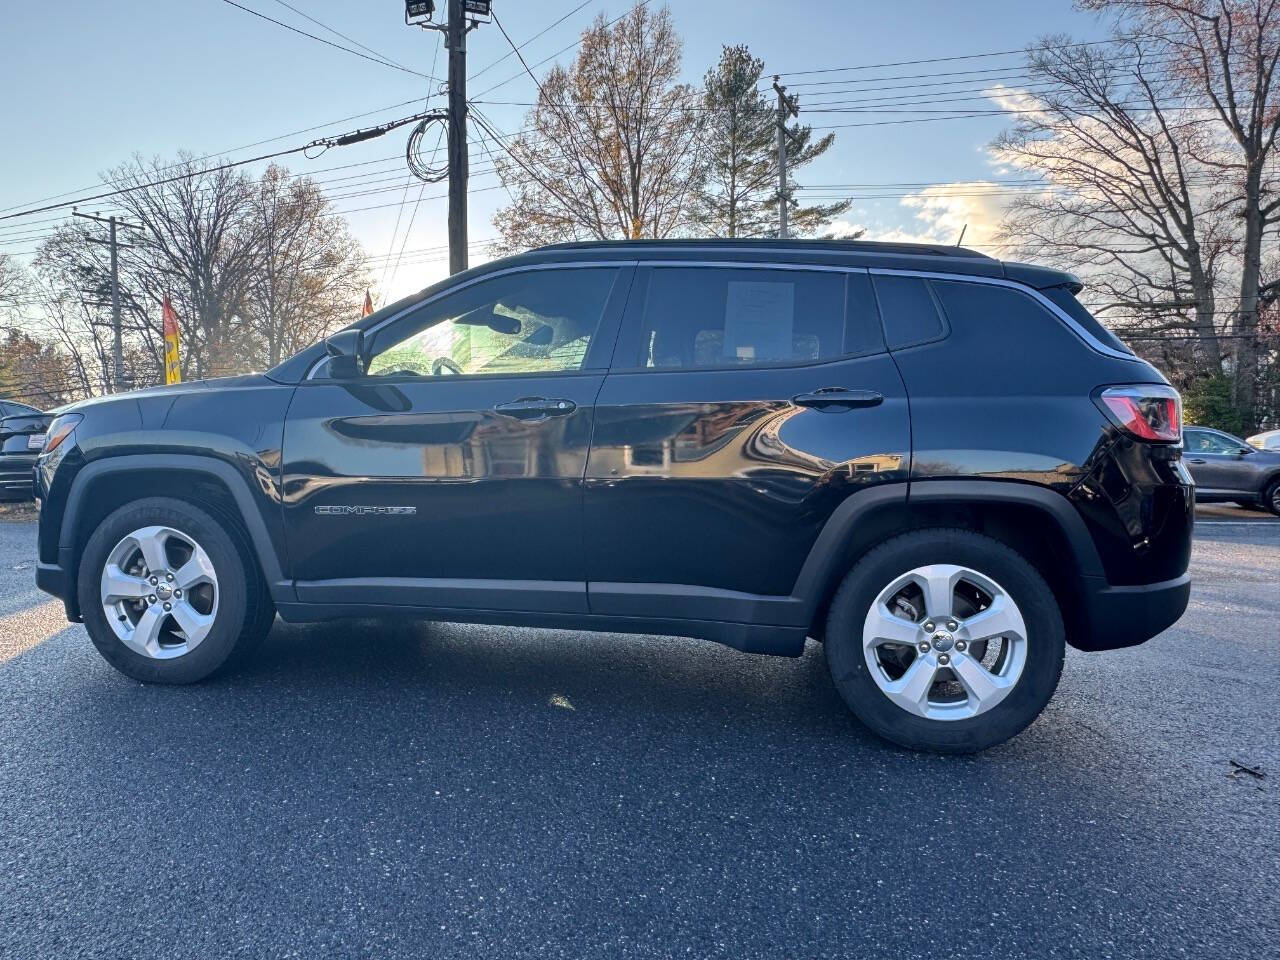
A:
[537, 321]
[1202, 442]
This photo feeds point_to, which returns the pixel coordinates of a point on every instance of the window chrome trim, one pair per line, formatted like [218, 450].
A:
[1089, 339]
[1084, 335]
[454, 288]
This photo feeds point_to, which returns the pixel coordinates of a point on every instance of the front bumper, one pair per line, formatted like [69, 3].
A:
[1125, 616]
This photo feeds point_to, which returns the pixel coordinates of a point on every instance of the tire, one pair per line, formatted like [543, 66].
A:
[1271, 497]
[232, 602]
[1035, 648]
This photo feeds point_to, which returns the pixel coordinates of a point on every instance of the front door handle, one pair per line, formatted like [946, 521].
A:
[1197, 460]
[535, 408]
[838, 399]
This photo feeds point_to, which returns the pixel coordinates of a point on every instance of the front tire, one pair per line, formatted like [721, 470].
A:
[1271, 497]
[169, 594]
[945, 640]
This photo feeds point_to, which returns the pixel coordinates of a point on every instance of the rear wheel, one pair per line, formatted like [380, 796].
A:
[945, 640]
[169, 594]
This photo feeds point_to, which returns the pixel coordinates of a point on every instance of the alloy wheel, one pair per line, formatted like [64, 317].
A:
[159, 592]
[945, 642]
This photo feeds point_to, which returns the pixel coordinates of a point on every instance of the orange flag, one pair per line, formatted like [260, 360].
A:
[368, 305]
[172, 365]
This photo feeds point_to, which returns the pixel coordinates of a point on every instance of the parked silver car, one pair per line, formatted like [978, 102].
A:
[1226, 468]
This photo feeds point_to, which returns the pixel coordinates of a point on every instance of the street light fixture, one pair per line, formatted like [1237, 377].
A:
[418, 11]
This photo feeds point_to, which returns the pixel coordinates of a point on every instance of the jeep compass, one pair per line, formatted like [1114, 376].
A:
[936, 464]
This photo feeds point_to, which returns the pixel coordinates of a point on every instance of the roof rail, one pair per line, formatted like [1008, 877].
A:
[845, 246]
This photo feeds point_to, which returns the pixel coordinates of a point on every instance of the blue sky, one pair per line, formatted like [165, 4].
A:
[88, 85]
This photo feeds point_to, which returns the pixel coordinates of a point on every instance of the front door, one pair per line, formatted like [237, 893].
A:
[450, 474]
[1217, 464]
[744, 406]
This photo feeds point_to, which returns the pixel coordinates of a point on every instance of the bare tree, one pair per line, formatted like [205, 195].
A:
[1226, 52]
[738, 197]
[13, 282]
[612, 148]
[199, 244]
[310, 278]
[256, 270]
[1128, 200]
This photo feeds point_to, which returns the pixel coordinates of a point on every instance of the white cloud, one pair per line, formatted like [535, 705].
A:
[938, 214]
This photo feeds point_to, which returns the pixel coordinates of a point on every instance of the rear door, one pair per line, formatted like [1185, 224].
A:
[451, 474]
[744, 404]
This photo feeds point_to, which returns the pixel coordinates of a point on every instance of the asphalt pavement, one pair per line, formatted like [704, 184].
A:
[401, 790]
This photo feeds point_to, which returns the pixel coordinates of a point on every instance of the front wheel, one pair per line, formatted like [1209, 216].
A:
[1271, 497]
[170, 594]
[945, 640]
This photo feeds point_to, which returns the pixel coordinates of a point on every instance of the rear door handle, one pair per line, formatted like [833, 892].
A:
[838, 399]
[535, 408]
[1197, 460]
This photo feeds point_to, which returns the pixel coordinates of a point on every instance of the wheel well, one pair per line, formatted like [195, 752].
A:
[113, 490]
[1028, 530]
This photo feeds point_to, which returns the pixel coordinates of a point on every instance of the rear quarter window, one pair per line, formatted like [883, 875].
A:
[1066, 301]
[1007, 314]
[910, 311]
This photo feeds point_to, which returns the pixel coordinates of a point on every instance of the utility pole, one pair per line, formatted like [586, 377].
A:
[787, 107]
[117, 349]
[456, 39]
[455, 30]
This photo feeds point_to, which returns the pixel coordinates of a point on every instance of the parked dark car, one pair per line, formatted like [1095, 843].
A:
[935, 463]
[1226, 468]
[22, 431]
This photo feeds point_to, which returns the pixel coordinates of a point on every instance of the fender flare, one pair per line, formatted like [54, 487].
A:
[280, 588]
[824, 559]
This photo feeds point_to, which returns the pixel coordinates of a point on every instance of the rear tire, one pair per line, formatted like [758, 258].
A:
[945, 706]
[227, 613]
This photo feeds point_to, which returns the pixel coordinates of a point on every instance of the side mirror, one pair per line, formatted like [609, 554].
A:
[346, 349]
[1245, 450]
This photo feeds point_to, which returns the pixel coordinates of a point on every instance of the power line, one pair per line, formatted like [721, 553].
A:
[912, 63]
[247, 146]
[336, 33]
[507, 56]
[328, 43]
[409, 179]
[578, 42]
[357, 136]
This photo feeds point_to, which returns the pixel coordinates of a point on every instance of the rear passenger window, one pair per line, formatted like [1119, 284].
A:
[909, 309]
[712, 317]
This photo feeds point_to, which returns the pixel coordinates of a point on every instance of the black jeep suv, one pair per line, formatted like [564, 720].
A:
[938, 464]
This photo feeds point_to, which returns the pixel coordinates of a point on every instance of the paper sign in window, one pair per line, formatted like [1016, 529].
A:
[759, 317]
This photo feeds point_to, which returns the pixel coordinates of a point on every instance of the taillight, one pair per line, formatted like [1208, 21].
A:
[60, 429]
[1148, 411]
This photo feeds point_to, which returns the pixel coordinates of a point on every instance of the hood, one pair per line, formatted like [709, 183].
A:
[173, 390]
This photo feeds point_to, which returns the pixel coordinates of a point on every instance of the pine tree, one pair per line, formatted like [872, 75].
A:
[739, 193]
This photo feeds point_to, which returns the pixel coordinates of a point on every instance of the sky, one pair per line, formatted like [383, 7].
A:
[89, 85]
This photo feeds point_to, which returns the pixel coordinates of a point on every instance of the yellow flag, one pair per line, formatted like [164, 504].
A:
[172, 363]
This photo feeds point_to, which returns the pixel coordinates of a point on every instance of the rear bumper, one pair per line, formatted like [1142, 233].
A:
[17, 478]
[1116, 617]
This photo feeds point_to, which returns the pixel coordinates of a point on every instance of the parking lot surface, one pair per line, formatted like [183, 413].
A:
[378, 790]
